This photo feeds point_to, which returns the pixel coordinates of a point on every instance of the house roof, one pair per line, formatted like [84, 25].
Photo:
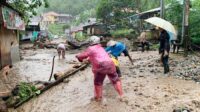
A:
[77, 28]
[51, 13]
[65, 15]
[35, 21]
[145, 14]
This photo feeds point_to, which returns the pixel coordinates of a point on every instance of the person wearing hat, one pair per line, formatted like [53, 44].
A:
[102, 65]
[115, 49]
[164, 49]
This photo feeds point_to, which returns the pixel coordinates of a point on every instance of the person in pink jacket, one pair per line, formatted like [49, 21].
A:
[102, 65]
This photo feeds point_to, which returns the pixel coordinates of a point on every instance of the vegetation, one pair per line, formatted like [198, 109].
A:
[80, 36]
[21, 92]
[123, 33]
[57, 29]
[116, 12]
[26, 90]
[73, 7]
[28, 8]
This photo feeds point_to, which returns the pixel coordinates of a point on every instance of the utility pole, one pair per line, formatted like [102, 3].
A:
[162, 8]
[185, 30]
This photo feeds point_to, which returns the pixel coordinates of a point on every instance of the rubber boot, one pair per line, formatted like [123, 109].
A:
[166, 69]
[118, 88]
[98, 92]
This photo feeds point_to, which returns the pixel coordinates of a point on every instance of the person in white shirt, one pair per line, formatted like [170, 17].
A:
[61, 50]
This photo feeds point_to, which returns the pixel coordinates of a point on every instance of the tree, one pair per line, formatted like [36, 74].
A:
[115, 12]
[73, 7]
[27, 8]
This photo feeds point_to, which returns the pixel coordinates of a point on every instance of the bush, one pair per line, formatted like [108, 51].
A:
[196, 40]
[123, 33]
[80, 36]
[57, 29]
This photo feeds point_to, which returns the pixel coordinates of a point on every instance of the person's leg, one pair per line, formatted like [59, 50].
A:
[147, 44]
[59, 53]
[142, 46]
[116, 82]
[118, 71]
[166, 65]
[63, 53]
[174, 48]
[98, 83]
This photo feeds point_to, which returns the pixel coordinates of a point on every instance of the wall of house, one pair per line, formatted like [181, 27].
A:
[9, 46]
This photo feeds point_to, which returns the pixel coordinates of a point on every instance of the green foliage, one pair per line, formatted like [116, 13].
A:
[80, 36]
[155, 46]
[57, 29]
[115, 12]
[194, 22]
[28, 8]
[84, 16]
[73, 7]
[174, 14]
[26, 90]
[66, 26]
[123, 33]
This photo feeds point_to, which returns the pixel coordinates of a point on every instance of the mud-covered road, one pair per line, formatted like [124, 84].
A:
[145, 86]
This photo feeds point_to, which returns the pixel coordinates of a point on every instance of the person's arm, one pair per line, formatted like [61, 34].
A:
[166, 46]
[83, 55]
[107, 49]
[126, 53]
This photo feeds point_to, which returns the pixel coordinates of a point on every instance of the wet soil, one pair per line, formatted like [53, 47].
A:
[145, 86]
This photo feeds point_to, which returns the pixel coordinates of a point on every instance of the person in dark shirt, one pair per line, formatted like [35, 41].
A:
[164, 49]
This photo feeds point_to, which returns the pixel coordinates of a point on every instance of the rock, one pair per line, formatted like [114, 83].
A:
[140, 94]
[137, 105]
[3, 107]
[66, 81]
[151, 65]
[181, 110]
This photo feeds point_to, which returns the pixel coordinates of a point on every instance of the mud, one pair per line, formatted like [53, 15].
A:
[145, 86]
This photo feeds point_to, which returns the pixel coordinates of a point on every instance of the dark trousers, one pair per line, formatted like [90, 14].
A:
[143, 46]
[118, 71]
[165, 61]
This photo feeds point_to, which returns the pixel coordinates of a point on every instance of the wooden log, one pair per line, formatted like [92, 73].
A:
[5, 94]
[66, 75]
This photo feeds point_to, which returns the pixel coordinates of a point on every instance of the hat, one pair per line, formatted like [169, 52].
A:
[111, 43]
[94, 40]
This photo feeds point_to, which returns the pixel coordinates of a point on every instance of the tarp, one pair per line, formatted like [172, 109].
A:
[12, 20]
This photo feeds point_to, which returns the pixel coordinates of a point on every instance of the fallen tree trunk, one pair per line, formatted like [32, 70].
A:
[66, 75]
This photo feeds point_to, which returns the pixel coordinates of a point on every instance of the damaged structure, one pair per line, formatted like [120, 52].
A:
[10, 23]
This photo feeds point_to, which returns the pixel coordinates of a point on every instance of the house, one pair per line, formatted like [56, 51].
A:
[49, 18]
[31, 27]
[10, 23]
[64, 18]
[94, 28]
[76, 30]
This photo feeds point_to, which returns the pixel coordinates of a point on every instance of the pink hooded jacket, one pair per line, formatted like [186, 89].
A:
[99, 58]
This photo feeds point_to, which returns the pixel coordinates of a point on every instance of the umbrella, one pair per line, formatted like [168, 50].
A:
[163, 24]
[172, 36]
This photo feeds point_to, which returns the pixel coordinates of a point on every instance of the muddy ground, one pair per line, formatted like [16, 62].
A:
[145, 86]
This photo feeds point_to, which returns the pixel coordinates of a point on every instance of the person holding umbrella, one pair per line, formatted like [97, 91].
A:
[164, 27]
[164, 49]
